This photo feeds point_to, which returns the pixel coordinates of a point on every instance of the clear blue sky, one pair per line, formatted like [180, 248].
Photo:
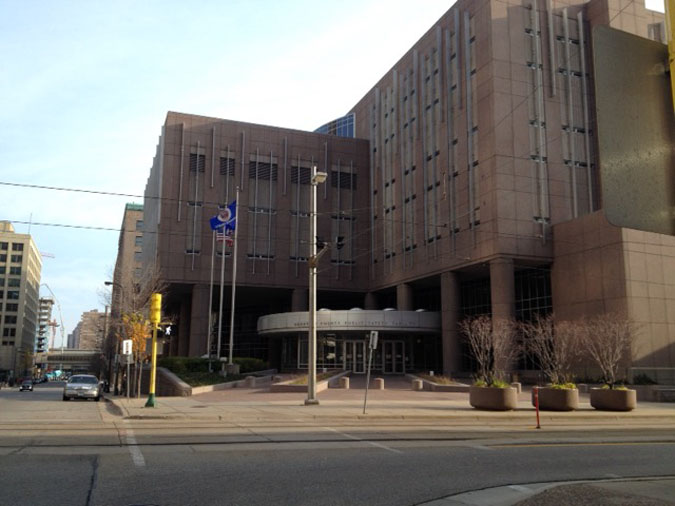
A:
[85, 87]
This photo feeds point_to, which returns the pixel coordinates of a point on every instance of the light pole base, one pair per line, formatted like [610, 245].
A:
[151, 401]
[311, 402]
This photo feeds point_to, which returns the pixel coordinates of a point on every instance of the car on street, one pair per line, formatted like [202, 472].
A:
[26, 384]
[82, 386]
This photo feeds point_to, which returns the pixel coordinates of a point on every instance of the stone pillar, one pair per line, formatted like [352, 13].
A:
[451, 304]
[370, 301]
[404, 297]
[502, 288]
[300, 299]
[199, 320]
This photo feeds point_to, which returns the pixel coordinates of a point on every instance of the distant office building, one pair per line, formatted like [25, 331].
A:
[71, 341]
[20, 268]
[44, 324]
[129, 274]
[469, 186]
[89, 332]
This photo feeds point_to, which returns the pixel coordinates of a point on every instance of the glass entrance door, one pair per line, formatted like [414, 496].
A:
[355, 356]
[393, 357]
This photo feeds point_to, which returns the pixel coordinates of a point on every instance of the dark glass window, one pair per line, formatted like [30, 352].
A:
[197, 161]
[17, 258]
[303, 175]
[343, 180]
[4, 246]
[476, 297]
[17, 246]
[533, 293]
[16, 271]
[226, 166]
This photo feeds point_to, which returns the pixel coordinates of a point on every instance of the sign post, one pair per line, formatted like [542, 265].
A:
[127, 349]
[372, 345]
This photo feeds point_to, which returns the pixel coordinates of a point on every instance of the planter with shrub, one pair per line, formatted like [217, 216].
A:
[494, 348]
[555, 348]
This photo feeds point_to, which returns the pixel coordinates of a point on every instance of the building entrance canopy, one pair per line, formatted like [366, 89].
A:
[352, 320]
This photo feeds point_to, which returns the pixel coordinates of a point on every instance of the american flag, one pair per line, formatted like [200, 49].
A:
[224, 236]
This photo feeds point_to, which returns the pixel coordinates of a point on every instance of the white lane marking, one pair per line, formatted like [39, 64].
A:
[612, 475]
[481, 447]
[372, 443]
[134, 449]
[520, 488]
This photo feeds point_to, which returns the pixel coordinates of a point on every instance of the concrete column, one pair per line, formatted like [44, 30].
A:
[451, 304]
[370, 301]
[300, 299]
[404, 297]
[199, 320]
[502, 288]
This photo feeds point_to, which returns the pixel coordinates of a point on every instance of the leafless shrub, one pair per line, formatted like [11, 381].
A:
[555, 346]
[493, 345]
[608, 340]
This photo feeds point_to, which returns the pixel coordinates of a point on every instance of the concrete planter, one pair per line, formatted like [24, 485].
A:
[613, 400]
[557, 399]
[493, 399]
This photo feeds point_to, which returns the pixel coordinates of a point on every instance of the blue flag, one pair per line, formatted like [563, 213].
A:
[226, 219]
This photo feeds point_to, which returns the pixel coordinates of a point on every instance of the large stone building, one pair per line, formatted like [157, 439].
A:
[464, 182]
[89, 331]
[20, 268]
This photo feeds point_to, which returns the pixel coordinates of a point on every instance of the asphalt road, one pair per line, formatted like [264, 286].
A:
[80, 453]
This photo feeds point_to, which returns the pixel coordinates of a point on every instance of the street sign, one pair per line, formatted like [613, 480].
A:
[373, 339]
[127, 347]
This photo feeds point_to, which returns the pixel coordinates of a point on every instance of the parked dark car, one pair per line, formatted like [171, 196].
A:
[26, 384]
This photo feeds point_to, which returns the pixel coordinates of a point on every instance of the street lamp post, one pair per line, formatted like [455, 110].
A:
[317, 178]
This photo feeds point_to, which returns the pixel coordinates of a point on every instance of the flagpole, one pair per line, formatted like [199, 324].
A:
[220, 303]
[234, 273]
[208, 332]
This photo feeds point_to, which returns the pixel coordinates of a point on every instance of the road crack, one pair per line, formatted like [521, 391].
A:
[94, 479]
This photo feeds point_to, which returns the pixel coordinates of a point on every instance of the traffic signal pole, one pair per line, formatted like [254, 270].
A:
[155, 318]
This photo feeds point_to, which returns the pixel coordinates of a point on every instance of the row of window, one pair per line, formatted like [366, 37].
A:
[17, 259]
[11, 294]
[17, 246]
[14, 271]
[9, 332]
[13, 282]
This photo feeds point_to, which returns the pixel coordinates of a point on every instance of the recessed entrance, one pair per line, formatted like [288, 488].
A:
[393, 357]
[355, 356]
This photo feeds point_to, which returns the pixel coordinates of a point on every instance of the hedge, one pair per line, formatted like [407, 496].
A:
[181, 365]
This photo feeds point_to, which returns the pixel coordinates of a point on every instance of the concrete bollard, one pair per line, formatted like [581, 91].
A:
[379, 384]
[249, 382]
[518, 386]
[344, 382]
[417, 385]
[583, 388]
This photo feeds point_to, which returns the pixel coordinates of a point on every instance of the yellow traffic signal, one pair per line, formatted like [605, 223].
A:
[155, 308]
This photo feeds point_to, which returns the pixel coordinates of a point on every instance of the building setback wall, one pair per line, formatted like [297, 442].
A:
[600, 268]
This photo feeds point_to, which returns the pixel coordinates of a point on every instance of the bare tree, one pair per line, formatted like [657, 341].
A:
[493, 345]
[608, 339]
[554, 345]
